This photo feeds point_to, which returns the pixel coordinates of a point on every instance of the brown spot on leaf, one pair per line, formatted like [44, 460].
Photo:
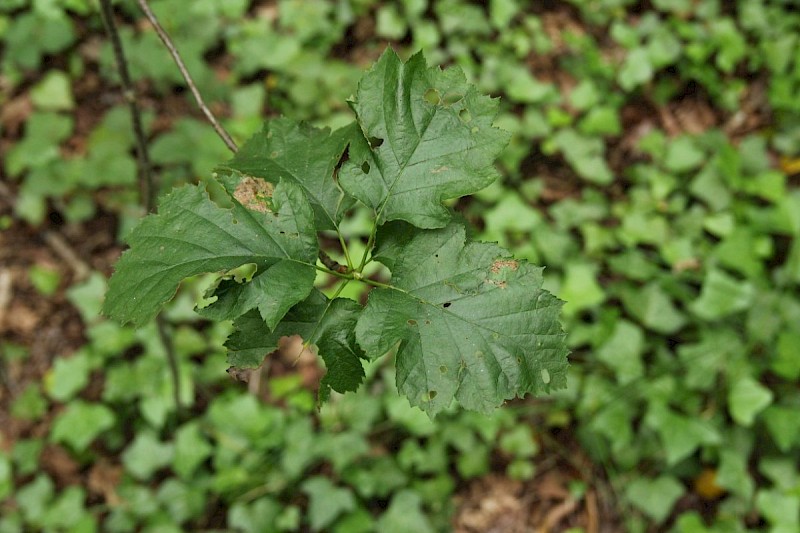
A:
[500, 264]
[501, 284]
[254, 194]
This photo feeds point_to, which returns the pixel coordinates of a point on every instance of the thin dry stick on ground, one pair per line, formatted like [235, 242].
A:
[147, 183]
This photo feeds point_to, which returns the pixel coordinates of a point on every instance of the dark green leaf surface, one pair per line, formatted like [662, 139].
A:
[272, 292]
[286, 149]
[428, 136]
[327, 324]
[472, 323]
[191, 235]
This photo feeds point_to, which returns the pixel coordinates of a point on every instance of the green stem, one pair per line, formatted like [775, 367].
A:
[345, 250]
[338, 291]
[370, 243]
[355, 276]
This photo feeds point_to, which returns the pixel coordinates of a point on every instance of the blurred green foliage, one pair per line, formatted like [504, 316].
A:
[653, 170]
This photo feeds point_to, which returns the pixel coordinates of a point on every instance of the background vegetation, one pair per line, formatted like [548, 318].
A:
[653, 169]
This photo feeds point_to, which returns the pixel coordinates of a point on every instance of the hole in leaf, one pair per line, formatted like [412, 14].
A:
[432, 97]
[443, 369]
[545, 375]
[446, 304]
[375, 142]
[452, 98]
[365, 167]
[432, 394]
[412, 322]
[465, 116]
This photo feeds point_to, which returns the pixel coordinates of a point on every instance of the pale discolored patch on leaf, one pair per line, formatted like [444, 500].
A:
[499, 264]
[297, 152]
[255, 194]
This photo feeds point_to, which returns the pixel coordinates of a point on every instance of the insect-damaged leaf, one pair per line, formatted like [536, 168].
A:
[285, 149]
[191, 235]
[327, 324]
[472, 323]
[273, 292]
[427, 137]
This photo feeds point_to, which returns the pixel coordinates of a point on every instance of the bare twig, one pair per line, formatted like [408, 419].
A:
[331, 263]
[146, 176]
[557, 514]
[5, 293]
[57, 243]
[165, 337]
[165, 38]
[146, 181]
[6, 195]
[223, 134]
[5, 300]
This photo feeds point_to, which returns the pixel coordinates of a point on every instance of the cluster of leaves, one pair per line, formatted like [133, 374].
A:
[277, 466]
[472, 323]
[677, 252]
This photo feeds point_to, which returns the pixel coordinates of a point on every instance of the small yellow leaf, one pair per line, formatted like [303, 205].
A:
[705, 485]
[790, 165]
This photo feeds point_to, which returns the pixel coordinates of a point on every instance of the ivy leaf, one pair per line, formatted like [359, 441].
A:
[472, 323]
[191, 235]
[301, 153]
[327, 324]
[428, 136]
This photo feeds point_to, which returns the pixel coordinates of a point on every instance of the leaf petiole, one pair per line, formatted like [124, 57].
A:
[345, 250]
[370, 244]
[355, 276]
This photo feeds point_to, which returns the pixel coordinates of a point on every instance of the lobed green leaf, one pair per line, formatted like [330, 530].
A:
[327, 324]
[427, 137]
[472, 323]
[192, 235]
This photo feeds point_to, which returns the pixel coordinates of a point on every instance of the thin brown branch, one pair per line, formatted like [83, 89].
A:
[165, 38]
[146, 175]
[221, 132]
[62, 248]
[172, 360]
[5, 293]
[331, 263]
[146, 181]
